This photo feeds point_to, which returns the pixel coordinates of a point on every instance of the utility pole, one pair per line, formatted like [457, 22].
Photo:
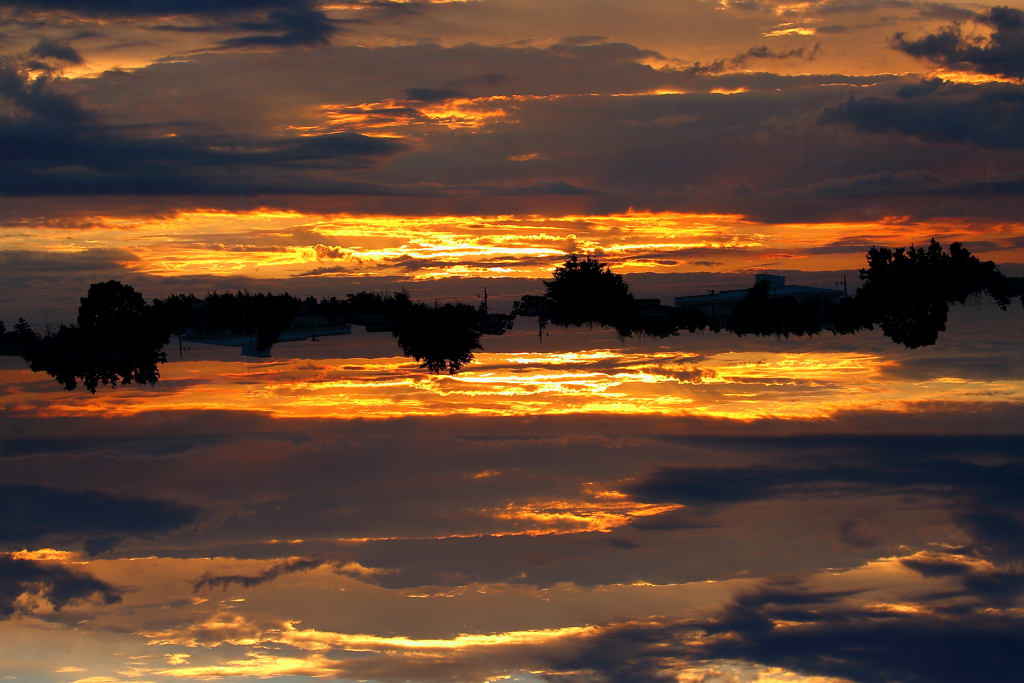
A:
[712, 293]
[782, 316]
[486, 325]
[846, 294]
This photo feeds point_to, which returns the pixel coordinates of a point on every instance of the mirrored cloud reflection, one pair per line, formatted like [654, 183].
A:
[283, 244]
[681, 531]
[739, 385]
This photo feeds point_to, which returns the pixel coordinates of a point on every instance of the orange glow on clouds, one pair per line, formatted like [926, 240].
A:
[263, 664]
[569, 517]
[458, 113]
[744, 386]
[276, 244]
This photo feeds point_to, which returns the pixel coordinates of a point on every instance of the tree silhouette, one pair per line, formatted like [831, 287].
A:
[585, 291]
[117, 340]
[18, 341]
[118, 337]
[907, 291]
[443, 338]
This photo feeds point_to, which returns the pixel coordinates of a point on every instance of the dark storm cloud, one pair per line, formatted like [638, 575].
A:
[291, 27]
[155, 435]
[915, 447]
[58, 148]
[559, 187]
[1002, 54]
[161, 8]
[986, 584]
[286, 28]
[51, 49]
[266, 23]
[909, 186]
[789, 624]
[983, 499]
[37, 99]
[994, 484]
[686, 545]
[996, 532]
[411, 491]
[603, 51]
[54, 583]
[783, 623]
[740, 61]
[876, 184]
[106, 164]
[42, 514]
[531, 154]
[827, 637]
[430, 71]
[989, 115]
[765, 52]
[210, 580]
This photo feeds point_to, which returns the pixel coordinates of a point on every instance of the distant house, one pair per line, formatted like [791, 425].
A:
[301, 328]
[652, 308]
[719, 306]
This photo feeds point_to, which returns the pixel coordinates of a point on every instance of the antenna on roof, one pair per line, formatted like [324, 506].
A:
[846, 293]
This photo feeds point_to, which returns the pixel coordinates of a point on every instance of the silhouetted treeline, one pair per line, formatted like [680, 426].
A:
[118, 337]
[584, 291]
[442, 337]
[905, 291]
[261, 316]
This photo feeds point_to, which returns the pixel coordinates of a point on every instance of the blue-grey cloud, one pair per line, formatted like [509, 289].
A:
[161, 8]
[37, 515]
[55, 135]
[830, 638]
[285, 28]
[49, 581]
[1002, 54]
[988, 115]
[52, 49]
[210, 580]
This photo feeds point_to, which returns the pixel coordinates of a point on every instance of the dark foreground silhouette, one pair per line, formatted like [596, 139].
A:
[118, 337]
[906, 292]
[441, 336]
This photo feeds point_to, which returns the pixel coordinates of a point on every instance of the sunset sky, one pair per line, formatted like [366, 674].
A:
[575, 508]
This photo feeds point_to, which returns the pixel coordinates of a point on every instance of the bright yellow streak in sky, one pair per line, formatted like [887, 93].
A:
[276, 244]
[569, 517]
[740, 386]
